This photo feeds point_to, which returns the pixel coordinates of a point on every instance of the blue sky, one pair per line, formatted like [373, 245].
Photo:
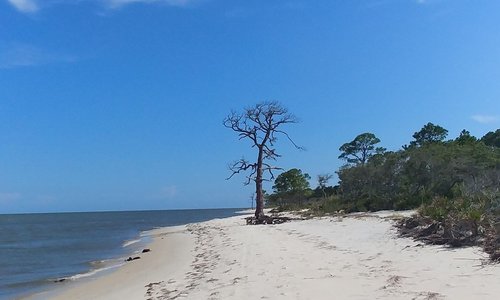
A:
[118, 104]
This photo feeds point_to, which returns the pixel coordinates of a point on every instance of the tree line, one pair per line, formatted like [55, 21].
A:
[428, 168]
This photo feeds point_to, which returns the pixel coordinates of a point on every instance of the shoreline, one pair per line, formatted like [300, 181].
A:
[82, 246]
[356, 256]
[78, 285]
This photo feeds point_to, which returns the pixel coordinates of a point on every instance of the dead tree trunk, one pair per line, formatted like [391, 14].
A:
[260, 125]
[259, 200]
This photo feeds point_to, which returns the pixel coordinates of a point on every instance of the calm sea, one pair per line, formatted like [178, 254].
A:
[38, 249]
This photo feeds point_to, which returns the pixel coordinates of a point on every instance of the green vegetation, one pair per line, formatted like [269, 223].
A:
[455, 184]
[492, 138]
[291, 188]
[361, 149]
[409, 178]
[429, 134]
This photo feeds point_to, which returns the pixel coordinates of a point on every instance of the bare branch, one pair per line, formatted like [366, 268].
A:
[241, 165]
[290, 139]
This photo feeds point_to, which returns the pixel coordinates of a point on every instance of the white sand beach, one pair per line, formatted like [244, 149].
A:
[353, 257]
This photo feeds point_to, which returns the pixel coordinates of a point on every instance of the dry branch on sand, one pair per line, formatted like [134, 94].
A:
[453, 233]
[266, 220]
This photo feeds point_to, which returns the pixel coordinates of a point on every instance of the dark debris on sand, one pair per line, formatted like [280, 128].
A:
[453, 233]
[273, 219]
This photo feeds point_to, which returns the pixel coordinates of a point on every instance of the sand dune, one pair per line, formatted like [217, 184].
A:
[354, 257]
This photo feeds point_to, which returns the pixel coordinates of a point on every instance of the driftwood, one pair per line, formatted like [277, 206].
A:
[492, 240]
[133, 258]
[452, 232]
[267, 220]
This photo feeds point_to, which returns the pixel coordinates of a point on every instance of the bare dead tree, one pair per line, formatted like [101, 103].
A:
[323, 181]
[261, 124]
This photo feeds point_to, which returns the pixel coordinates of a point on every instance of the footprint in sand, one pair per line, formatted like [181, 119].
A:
[428, 296]
[394, 280]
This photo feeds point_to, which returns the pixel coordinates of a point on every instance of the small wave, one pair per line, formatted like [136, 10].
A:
[98, 264]
[128, 243]
[148, 232]
[89, 273]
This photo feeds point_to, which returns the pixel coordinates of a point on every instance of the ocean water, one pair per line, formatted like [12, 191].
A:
[36, 250]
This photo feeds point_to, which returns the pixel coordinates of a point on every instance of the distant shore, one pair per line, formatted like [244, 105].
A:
[358, 256]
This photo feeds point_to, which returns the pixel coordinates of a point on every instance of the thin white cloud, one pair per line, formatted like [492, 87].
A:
[378, 3]
[485, 119]
[32, 6]
[120, 3]
[168, 192]
[9, 197]
[427, 1]
[22, 55]
[45, 199]
[25, 6]
[424, 2]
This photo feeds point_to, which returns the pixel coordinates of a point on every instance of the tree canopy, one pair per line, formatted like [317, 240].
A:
[465, 138]
[359, 150]
[290, 188]
[416, 175]
[292, 180]
[492, 138]
[430, 133]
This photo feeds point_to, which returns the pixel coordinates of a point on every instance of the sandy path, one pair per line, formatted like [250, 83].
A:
[353, 257]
